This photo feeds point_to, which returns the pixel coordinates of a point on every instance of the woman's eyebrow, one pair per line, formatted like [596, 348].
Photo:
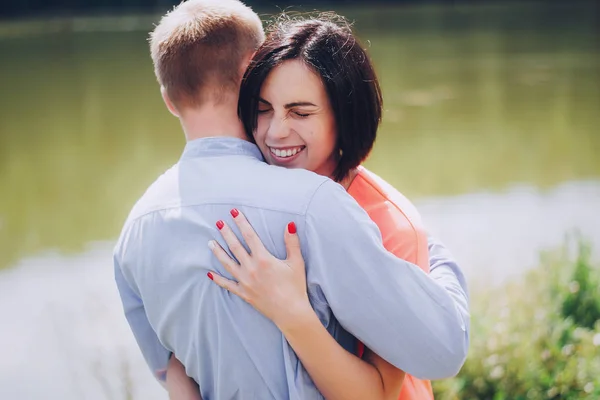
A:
[299, 104]
[261, 100]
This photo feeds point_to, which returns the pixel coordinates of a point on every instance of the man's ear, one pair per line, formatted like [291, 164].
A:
[170, 106]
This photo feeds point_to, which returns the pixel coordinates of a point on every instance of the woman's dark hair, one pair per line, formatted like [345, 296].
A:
[327, 45]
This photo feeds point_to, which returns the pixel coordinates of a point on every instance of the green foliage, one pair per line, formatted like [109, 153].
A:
[582, 302]
[538, 338]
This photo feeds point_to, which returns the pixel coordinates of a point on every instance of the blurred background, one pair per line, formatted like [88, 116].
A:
[491, 127]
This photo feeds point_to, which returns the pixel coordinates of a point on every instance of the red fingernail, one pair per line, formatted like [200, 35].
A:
[234, 212]
[292, 228]
[220, 224]
[210, 276]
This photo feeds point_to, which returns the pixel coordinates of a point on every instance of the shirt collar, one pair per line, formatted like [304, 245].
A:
[220, 146]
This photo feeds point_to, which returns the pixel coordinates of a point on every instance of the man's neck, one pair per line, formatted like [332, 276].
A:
[212, 120]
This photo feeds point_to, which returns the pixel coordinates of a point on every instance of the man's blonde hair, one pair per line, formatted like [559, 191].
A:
[198, 49]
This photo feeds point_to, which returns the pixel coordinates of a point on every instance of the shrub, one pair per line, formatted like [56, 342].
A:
[535, 338]
[582, 302]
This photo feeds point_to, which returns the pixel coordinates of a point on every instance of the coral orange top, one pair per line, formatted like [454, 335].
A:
[403, 235]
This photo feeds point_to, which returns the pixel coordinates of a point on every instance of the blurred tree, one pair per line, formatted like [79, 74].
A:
[45, 7]
[50, 7]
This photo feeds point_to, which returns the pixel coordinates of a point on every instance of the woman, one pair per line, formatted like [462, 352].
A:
[310, 99]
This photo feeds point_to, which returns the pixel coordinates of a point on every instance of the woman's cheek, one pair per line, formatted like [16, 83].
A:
[303, 127]
[261, 129]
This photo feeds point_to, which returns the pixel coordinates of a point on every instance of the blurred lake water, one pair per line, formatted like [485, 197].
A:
[490, 126]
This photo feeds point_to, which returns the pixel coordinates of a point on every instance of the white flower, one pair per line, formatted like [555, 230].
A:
[545, 355]
[497, 372]
[568, 349]
[574, 287]
[492, 360]
[578, 333]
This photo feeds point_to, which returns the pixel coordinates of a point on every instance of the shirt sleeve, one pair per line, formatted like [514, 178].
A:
[404, 315]
[155, 354]
[445, 270]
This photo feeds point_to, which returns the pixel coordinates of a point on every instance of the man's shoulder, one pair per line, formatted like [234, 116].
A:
[295, 181]
[156, 197]
[268, 187]
[161, 194]
[255, 184]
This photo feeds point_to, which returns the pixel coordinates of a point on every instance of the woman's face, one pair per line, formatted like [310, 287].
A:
[296, 126]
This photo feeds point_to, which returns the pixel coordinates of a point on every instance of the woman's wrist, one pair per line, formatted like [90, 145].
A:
[297, 318]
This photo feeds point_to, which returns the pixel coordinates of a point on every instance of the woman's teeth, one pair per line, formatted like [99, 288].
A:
[285, 152]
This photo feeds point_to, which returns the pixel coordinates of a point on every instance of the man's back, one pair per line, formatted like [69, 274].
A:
[230, 349]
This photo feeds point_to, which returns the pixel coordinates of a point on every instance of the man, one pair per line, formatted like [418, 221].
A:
[200, 51]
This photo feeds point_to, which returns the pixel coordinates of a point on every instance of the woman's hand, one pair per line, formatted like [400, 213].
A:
[276, 288]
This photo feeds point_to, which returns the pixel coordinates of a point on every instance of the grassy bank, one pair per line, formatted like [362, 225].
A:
[536, 338]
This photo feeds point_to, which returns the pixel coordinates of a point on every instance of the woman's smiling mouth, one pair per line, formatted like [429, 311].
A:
[285, 154]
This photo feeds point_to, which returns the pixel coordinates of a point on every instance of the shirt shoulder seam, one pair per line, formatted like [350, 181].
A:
[308, 204]
[166, 207]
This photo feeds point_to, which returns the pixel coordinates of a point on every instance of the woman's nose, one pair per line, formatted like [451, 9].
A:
[279, 128]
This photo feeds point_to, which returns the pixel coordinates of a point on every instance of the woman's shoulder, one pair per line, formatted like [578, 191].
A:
[398, 220]
[371, 191]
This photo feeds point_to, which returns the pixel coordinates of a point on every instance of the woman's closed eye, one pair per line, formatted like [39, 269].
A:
[263, 110]
[301, 114]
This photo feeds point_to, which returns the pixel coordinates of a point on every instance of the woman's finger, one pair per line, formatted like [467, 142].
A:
[227, 284]
[250, 237]
[292, 244]
[225, 259]
[237, 249]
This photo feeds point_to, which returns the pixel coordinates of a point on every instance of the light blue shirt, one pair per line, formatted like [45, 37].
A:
[418, 323]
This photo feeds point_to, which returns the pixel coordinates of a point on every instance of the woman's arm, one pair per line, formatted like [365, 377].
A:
[179, 385]
[277, 289]
[337, 373]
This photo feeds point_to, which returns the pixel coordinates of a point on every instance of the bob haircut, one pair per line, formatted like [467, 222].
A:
[325, 44]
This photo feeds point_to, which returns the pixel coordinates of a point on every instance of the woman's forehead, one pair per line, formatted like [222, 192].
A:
[291, 79]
